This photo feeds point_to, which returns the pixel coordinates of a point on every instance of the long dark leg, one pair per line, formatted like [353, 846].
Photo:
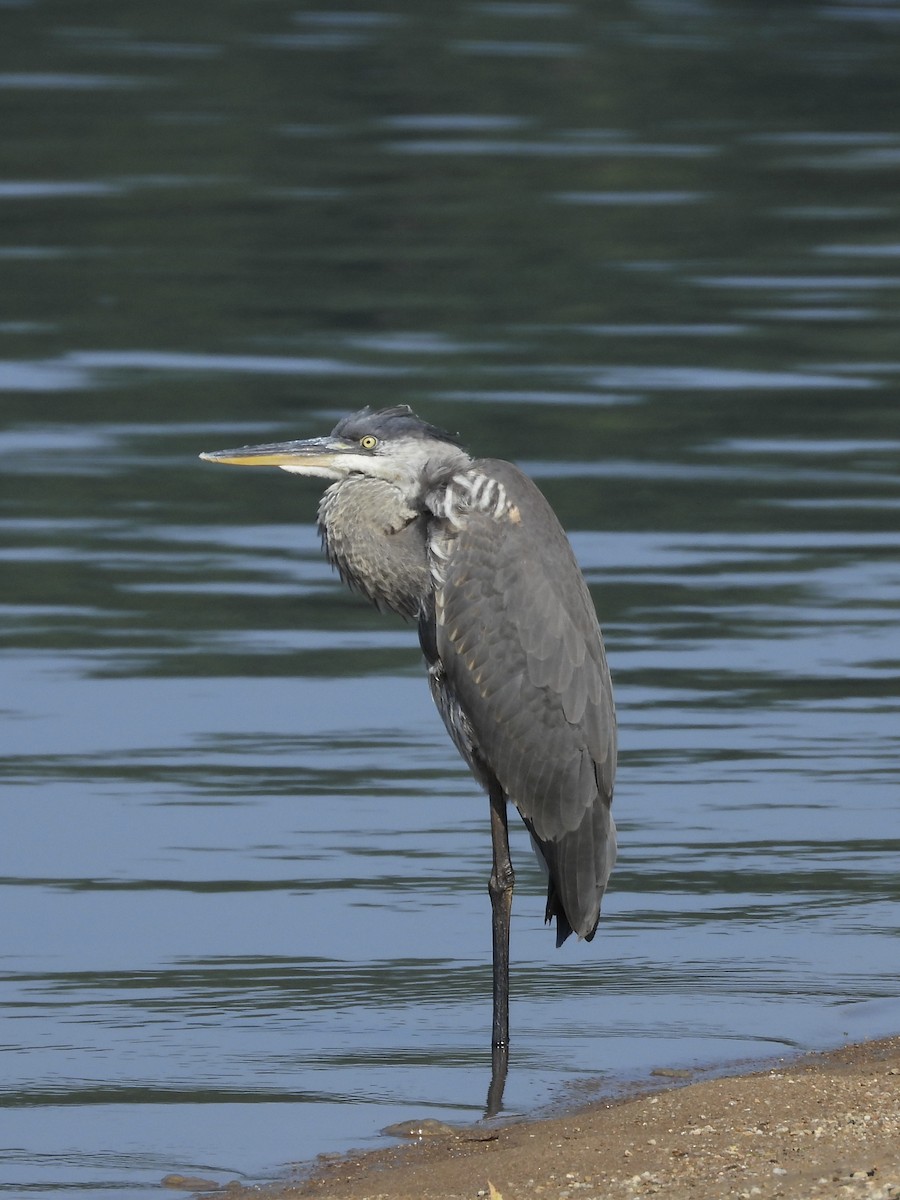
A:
[500, 888]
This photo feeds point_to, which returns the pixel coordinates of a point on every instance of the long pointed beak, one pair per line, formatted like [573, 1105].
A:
[315, 453]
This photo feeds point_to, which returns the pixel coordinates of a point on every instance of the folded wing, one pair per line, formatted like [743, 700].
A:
[526, 688]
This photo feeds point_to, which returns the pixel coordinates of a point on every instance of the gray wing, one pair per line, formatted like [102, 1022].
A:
[523, 676]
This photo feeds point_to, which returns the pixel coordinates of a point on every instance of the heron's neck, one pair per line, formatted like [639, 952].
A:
[376, 540]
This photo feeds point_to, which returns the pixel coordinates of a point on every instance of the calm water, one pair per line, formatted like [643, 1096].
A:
[650, 251]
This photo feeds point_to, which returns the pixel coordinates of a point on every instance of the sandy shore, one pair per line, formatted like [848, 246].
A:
[827, 1125]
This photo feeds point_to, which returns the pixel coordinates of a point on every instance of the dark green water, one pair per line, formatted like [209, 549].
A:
[648, 250]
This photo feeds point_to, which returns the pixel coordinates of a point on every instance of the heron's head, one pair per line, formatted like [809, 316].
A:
[391, 444]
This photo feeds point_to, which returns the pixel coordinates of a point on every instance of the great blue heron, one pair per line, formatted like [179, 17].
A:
[471, 550]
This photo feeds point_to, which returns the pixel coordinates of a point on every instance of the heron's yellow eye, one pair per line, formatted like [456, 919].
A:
[368, 442]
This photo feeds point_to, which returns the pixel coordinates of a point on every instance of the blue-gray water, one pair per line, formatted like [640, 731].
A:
[648, 250]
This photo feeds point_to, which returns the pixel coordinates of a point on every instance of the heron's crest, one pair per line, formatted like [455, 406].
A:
[398, 421]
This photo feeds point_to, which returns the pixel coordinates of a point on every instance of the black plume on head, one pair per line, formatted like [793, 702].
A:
[397, 422]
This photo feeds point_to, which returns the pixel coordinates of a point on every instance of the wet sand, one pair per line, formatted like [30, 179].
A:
[826, 1125]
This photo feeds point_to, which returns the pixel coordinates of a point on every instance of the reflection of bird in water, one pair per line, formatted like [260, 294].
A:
[471, 550]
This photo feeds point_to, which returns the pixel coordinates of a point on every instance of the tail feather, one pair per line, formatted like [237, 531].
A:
[577, 865]
[555, 909]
